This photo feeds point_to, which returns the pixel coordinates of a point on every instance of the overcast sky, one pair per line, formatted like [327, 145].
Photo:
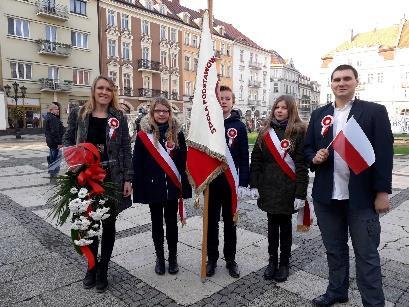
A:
[304, 30]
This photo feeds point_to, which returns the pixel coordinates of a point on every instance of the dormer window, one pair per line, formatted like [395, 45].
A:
[148, 4]
[162, 9]
[186, 18]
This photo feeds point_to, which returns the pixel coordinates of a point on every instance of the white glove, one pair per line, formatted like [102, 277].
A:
[298, 203]
[254, 193]
[241, 192]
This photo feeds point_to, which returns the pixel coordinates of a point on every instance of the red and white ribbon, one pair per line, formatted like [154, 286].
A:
[165, 161]
[326, 122]
[233, 180]
[283, 160]
[113, 124]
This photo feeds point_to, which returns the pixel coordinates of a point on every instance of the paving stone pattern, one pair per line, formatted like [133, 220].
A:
[39, 266]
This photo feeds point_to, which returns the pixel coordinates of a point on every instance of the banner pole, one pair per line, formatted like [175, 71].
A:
[204, 239]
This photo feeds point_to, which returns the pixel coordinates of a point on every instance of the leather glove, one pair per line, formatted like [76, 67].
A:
[298, 203]
[254, 193]
[241, 192]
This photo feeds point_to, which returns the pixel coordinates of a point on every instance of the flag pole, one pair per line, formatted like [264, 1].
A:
[205, 230]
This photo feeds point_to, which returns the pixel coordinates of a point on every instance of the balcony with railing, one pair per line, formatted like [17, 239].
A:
[255, 65]
[150, 93]
[254, 83]
[50, 9]
[47, 47]
[127, 91]
[55, 85]
[253, 102]
[174, 95]
[152, 66]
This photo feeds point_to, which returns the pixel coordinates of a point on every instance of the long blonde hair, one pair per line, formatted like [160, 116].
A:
[171, 133]
[90, 105]
[295, 124]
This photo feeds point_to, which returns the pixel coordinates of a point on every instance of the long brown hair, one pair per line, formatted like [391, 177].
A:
[171, 133]
[295, 124]
[90, 105]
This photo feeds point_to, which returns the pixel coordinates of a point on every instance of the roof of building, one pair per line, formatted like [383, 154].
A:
[388, 37]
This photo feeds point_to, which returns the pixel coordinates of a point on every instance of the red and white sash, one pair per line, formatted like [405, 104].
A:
[284, 160]
[165, 161]
[233, 180]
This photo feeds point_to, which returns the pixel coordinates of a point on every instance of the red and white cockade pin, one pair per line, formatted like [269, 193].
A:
[285, 146]
[232, 134]
[169, 146]
[326, 122]
[113, 124]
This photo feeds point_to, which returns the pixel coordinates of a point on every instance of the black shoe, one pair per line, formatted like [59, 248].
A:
[270, 270]
[173, 265]
[282, 273]
[160, 266]
[233, 269]
[90, 279]
[102, 279]
[326, 301]
[211, 268]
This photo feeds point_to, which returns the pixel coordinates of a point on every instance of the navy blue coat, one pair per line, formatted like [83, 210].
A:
[374, 121]
[150, 182]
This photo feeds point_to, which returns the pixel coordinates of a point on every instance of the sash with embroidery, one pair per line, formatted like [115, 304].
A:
[283, 160]
[165, 161]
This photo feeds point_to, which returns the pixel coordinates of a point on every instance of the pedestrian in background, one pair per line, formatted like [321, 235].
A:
[160, 147]
[279, 176]
[94, 123]
[219, 189]
[54, 130]
[345, 202]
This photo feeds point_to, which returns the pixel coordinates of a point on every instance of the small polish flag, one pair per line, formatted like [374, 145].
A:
[354, 147]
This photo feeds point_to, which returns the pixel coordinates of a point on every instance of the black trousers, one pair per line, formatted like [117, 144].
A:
[107, 241]
[220, 200]
[167, 209]
[279, 234]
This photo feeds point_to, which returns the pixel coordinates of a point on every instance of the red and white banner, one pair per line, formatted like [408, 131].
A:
[165, 161]
[354, 147]
[206, 141]
[284, 160]
[304, 217]
[233, 180]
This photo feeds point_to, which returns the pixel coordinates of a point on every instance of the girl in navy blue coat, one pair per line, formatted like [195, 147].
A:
[155, 186]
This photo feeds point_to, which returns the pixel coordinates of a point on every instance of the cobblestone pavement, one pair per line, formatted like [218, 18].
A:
[39, 267]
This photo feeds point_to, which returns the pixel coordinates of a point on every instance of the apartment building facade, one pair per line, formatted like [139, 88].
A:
[50, 48]
[381, 57]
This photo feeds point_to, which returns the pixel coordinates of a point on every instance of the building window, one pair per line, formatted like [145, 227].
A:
[146, 82]
[79, 39]
[145, 53]
[370, 78]
[228, 50]
[241, 76]
[188, 88]
[163, 32]
[242, 56]
[78, 7]
[111, 18]
[111, 47]
[145, 27]
[163, 58]
[328, 98]
[53, 73]
[20, 70]
[195, 64]
[162, 9]
[241, 92]
[380, 77]
[223, 49]
[187, 38]
[228, 71]
[18, 27]
[80, 77]
[113, 76]
[264, 95]
[187, 63]
[127, 80]
[173, 35]
[173, 60]
[222, 70]
[148, 4]
[125, 22]
[125, 51]
[194, 41]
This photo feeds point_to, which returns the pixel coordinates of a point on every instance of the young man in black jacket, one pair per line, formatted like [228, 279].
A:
[219, 189]
[54, 130]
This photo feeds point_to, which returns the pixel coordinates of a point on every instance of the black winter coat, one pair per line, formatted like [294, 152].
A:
[54, 130]
[277, 191]
[150, 182]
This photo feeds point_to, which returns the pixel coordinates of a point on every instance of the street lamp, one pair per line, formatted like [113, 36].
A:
[16, 96]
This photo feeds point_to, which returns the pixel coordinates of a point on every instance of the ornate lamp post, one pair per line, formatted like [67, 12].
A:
[16, 96]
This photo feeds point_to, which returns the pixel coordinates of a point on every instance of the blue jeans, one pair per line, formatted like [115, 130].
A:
[334, 221]
[53, 162]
